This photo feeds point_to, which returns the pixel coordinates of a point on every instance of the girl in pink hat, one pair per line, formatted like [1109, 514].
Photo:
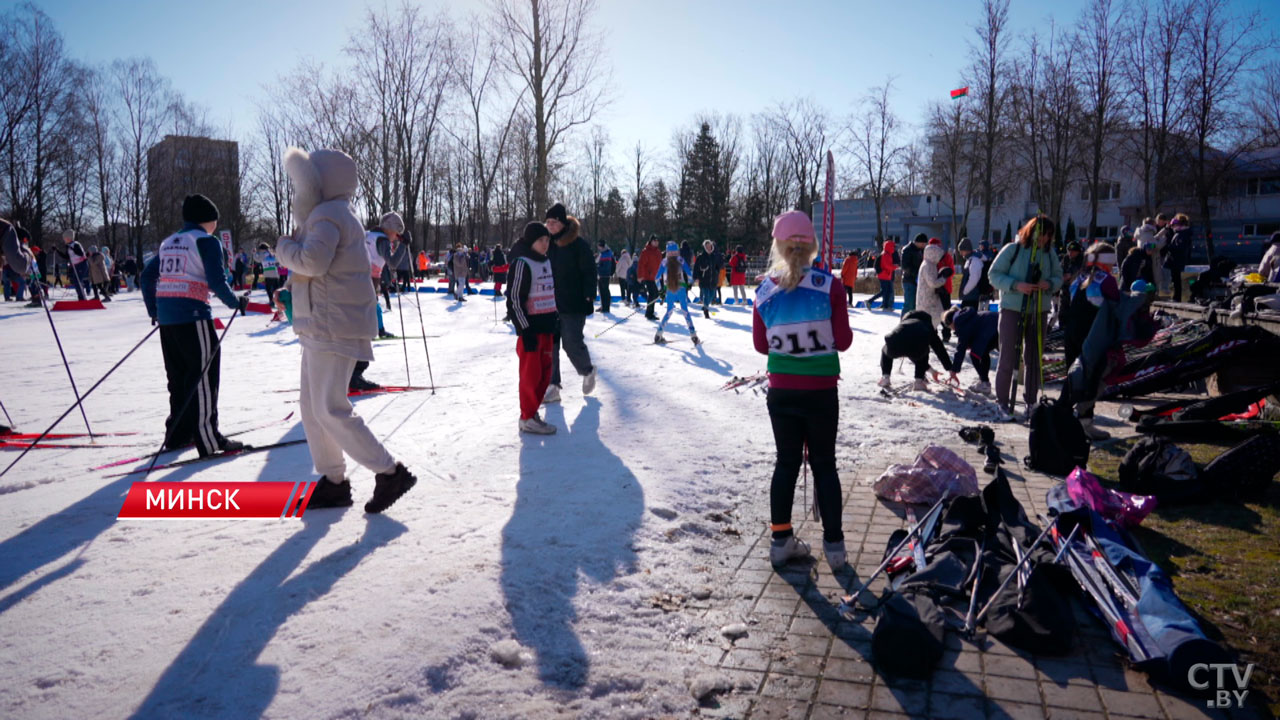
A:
[801, 322]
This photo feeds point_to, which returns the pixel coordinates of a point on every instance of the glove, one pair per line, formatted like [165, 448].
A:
[530, 340]
[244, 303]
[154, 322]
[946, 272]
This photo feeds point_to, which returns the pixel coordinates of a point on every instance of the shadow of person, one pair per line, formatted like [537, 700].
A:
[577, 507]
[216, 673]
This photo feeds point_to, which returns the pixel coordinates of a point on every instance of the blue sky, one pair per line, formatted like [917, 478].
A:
[669, 59]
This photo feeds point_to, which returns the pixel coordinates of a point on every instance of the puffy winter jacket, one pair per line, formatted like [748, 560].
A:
[1179, 249]
[928, 283]
[575, 271]
[1013, 265]
[975, 329]
[912, 256]
[886, 264]
[649, 262]
[334, 305]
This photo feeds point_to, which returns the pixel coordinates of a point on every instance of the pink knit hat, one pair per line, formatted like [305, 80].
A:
[795, 226]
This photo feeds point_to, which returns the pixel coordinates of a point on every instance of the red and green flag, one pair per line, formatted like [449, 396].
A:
[956, 94]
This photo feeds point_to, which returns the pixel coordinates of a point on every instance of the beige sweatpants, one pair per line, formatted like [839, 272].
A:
[331, 424]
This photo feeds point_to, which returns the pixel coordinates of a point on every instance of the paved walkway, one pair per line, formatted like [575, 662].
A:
[802, 660]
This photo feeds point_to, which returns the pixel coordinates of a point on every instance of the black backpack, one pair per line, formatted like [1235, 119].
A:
[1157, 467]
[1247, 468]
[1058, 443]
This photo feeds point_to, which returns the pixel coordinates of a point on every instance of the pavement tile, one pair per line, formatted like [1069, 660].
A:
[849, 670]
[1068, 714]
[772, 708]
[943, 706]
[1005, 710]
[782, 685]
[1009, 666]
[1134, 704]
[1006, 688]
[910, 702]
[1180, 707]
[1079, 696]
[853, 695]
[740, 659]
[806, 665]
[806, 644]
[956, 683]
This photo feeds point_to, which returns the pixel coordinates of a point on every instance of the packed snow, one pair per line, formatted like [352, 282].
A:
[524, 576]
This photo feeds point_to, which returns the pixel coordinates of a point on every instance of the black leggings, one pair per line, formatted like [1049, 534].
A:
[921, 362]
[801, 417]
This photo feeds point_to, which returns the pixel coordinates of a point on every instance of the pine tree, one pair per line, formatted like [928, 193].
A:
[1008, 231]
[703, 202]
[1071, 233]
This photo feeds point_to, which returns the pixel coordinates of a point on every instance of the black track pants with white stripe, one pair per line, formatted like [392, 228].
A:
[187, 347]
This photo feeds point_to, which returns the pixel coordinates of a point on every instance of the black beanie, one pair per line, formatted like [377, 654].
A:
[533, 231]
[199, 209]
[920, 237]
[557, 211]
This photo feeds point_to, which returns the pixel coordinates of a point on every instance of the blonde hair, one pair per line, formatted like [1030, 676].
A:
[789, 261]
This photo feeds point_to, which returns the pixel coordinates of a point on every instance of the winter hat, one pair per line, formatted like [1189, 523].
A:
[392, 222]
[533, 231]
[793, 225]
[1126, 232]
[935, 241]
[557, 212]
[964, 245]
[599, 243]
[672, 247]
[67, 235]
[920, 238]
[1142, 286]
[264, 246]
[1074, 245]
[1275, 238]
[199, 209]
[1180, 221]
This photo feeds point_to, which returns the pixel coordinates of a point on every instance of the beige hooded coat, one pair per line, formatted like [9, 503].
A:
[334, 305]
[928, 283]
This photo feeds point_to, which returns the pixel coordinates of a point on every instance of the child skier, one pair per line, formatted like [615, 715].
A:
[678, 276]
[531, 303]
[801, 322]
[738, 275]
[976, 333]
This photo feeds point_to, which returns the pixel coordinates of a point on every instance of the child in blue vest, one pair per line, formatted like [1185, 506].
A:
[675, 270]
[801, 321]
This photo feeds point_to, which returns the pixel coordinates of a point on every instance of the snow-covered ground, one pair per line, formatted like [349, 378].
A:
[556, 543]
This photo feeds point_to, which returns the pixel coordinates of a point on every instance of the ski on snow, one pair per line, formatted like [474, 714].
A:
[12, 436]
[749, 381]
[242, 431]
[384, 389]
[207, 458]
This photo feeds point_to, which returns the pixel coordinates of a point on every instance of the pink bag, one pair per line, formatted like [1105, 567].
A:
[936, 473]
[1122, 508]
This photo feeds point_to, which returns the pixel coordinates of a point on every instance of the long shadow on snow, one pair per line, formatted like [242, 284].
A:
[569, 518]
[79, 524]
[216, 674]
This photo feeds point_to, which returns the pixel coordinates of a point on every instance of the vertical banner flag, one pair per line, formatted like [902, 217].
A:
[225, 235]
[829, 216]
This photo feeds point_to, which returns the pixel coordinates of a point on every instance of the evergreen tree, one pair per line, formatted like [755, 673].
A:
[1008, 231]
[1071, 234]
[659, 221]
[964, 231]
[703, 202]
[613, 219]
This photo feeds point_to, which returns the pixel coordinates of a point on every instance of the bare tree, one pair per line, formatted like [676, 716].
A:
[639, 164]
[1264, 105]
[877, 147]
[596, 154]
[988, 72]
[1222, 48]
[807, 135]
[953, 166]
[1099, 40]
[97, 105]
[551, 47]
[143, 106]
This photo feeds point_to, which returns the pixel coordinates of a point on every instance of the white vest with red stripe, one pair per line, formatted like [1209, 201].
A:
[181, 268]
[542, 288]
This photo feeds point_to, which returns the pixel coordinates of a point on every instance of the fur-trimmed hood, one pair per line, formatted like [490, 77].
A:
[318, 177]
[570, 232]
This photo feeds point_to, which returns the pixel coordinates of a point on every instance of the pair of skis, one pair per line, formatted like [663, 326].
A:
[130, 460]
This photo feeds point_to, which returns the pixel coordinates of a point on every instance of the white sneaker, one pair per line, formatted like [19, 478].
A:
[980, 387]
[589, 382]
[884, 382]
[835, 554]
[920, 384]
[536, 426]
[552, 395]
[793, 549]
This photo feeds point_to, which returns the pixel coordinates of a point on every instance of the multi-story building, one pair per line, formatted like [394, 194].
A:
[181, 165]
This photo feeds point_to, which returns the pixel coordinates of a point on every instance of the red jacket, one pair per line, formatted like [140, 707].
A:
[948, 261]
[886, 263]
[647, 265]
[738, 269]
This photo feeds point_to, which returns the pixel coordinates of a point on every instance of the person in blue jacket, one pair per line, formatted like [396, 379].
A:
[176, 285]
[606, 266]
[976, 333]
[677, 275]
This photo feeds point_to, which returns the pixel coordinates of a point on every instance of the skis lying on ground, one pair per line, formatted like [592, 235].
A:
[12, 436]
[384, 389]
[208, 458]
[406, 337]
[42, 445]
[749, 381]
[241, 431]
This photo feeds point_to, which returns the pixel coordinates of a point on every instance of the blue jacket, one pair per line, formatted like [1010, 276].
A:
[175, 311]
[975, 330]
[606, 266]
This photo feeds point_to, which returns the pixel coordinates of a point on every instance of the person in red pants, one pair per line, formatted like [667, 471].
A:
[531, 303]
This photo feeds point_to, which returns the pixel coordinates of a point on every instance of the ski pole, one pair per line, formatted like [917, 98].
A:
[970, 622]
[78, 401]
[6, 414]
[937, 508]
[1016, 568]
[404, 342]
[417, 297]
[618, 322]
[45, 304]
[217, 350]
